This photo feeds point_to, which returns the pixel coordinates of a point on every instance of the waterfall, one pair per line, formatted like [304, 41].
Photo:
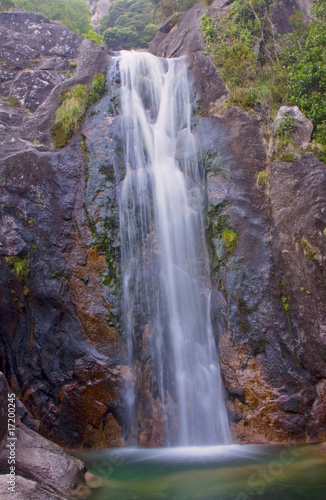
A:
[174, 371]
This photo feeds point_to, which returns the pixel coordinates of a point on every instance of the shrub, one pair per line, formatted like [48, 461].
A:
[286, 127]
[72, 108]
[94, 37]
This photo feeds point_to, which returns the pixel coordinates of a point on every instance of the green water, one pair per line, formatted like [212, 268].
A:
[209, 473]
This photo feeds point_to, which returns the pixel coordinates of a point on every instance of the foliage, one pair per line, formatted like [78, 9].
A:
[263, 72]
[129, 24]
[244, 49]
[230, 239]
[20, 267]
[94, 37]
[75, 14]
[306, 81]
[286, 127]
[72, 109]
[97, 89]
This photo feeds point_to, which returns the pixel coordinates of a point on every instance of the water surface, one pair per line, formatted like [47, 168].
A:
[231, 472]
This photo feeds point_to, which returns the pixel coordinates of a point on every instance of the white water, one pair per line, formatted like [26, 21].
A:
[166, 279]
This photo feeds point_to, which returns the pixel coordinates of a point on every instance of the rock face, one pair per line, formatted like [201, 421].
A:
[61, 347]
[58, 343]
[268, 301]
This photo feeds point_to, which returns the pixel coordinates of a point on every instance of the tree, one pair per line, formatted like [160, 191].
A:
[129, 24]
[306, 80]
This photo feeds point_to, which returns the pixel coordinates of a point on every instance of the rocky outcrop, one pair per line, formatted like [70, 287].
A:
[99, 9]
[38, 463]
[58, 340]
[300, 126]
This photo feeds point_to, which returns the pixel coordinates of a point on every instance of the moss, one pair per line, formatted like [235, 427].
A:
[31, 221]
[230, 239]
[15, 103]
[262, 178]
[309, 250]
[85, 152]
[72, 63]
[66, 72]
[20, 266]
[286, 305]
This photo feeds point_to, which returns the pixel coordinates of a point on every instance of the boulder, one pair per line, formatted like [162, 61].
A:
[43, 462]
[302, 135]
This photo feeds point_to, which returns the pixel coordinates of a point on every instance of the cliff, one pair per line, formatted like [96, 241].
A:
[61, 346]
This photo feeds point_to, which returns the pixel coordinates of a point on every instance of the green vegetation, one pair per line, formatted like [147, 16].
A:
[233, 39]
[15, 103]
[20, 267]
[94, 37]
[262, 178]
[72, 63]
[286, 305]
[262, 72]
[129, 24]
[72, 109]
[286, 127]
[309, 250]
[230, 239]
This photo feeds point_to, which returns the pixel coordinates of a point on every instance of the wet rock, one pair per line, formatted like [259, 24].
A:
[186, 40]
[57, 318]
[168, 24]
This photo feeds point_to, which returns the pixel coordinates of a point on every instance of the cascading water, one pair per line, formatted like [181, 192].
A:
[174, 369]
